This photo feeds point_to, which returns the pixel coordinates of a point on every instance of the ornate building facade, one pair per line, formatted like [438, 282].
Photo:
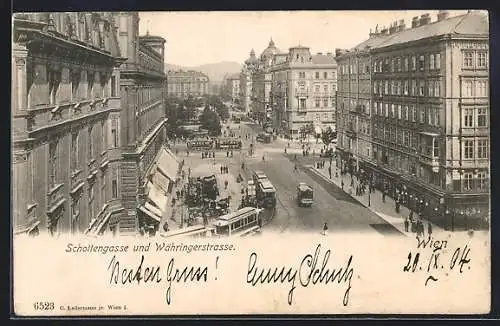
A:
[304, 90]
[429, 116]
[262, 79]
[143, 87]
[65, 102]
[183, 84]
[246, 85]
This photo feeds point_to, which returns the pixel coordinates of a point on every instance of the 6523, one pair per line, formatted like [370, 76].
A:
[43, 305]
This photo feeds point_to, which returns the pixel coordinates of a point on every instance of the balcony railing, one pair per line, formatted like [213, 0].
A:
[432, 161]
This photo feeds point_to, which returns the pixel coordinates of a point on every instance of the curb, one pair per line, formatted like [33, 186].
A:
[313, 170]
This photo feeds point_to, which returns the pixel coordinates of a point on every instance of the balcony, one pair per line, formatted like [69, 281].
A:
[55, 199]
[77, 183]
[432, 161]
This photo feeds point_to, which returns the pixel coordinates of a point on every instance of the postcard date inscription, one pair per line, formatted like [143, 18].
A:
[431, 259]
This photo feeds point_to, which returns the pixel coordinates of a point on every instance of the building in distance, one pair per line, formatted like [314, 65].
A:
[186, 83]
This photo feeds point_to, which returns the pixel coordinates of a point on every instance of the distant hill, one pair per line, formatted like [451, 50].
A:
[214, 71]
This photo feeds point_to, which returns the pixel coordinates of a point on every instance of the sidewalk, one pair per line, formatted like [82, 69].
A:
[386, 210]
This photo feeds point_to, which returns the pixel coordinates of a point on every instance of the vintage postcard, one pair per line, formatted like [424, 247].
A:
[302, 162]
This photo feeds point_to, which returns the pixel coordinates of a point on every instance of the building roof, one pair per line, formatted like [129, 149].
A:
[372, 42]
[323, 59]
[471, 23]
[270, 50]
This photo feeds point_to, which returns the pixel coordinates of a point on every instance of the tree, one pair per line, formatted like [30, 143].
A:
[328, 135]
[210, 121]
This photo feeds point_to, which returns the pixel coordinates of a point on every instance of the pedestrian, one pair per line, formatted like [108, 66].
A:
[383, 195]
[227, 154]
[231, 153]
[330, 171]
[429, 229]
[407, 224]
[325, 229]
[225, 184]
[342, 184]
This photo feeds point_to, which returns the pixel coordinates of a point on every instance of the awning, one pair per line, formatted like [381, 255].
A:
[168, 164]
[153, 209]
[160, 181]
[432, 134]
[156, 196]
[150, 214]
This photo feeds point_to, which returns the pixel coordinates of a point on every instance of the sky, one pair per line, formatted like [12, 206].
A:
[195, 38]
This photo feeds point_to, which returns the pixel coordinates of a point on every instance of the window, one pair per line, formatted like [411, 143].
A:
[386, 87]
[482, 181]
[481, 60]
[90, 141]
[302, 75]
[325, 102]
[302, 104]
[325, 88]
[367, 69]
[74, 151]
[413, 63]
[482, 148]
[113, 86]
[468, 181]
[394, 89]
[103, 187]
[437, 117]
[437, 62]
[398, 107]
[422, 115]
[375, 87]
[405, 60]
[114, 184]
[481, 88]
[316, 102]
[386, 113]
[90, 84]
[393, 110]
[437, 88]
[104, 134]
[398, 64]
[316, 88]
[482, 117]
[325, 75]
[421, 88]
[406, 87]
[468, 118]
[468, 88]
[91, 202]
[468, 63]
[114, 132]
[54, 81]
[431, 61]
[430, 88]
[52, 164]
[468, 149]
[421, 63]
[398, 87]
[405, 112]
[406, 140]
[317, 75]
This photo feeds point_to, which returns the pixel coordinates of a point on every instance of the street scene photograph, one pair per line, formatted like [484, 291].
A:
[238, 124]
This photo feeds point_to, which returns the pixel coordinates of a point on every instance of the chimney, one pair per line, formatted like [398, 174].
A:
[415, 22]
[442, 15]
[402, 25]
[319, 53]
[425, 19]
